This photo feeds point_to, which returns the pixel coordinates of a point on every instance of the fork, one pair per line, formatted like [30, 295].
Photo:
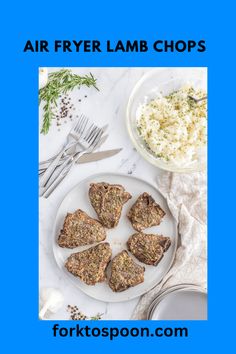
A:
[44, 164]
[88, 141]
[71, 141]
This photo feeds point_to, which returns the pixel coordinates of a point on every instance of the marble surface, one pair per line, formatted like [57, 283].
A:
[107, 106]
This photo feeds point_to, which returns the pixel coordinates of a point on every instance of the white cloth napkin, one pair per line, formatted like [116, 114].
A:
[186, 198]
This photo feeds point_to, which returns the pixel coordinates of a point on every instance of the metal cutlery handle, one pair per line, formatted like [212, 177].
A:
[50, 170]
[45, 164]
[89, 140]
[69, 151]
[59, 176]
[197, 100]
[202, 99]
[54, 185]
[58, 172]
[48, 173]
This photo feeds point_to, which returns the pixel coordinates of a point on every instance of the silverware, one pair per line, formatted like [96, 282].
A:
[93, 156]
[71, 141]
[96, 156]
[45, 164]
[88, 141]
[70, 151]
[197, 100]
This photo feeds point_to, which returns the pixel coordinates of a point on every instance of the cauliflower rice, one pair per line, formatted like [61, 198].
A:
[174, 127]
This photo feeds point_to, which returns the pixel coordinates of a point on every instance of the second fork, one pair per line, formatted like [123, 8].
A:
[89, 140]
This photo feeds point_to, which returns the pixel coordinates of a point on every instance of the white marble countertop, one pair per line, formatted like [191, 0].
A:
[106, 106]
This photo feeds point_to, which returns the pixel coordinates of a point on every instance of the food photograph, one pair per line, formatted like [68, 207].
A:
[123, 193]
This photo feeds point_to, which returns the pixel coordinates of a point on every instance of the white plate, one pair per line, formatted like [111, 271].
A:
[162, 293]
[77, 198]
[182, 304]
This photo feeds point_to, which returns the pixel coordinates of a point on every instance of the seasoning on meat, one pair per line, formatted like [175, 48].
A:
[125, 272]
[108, 200]
[90, 265]
[145, 212]
[148, 248]
[79, 229]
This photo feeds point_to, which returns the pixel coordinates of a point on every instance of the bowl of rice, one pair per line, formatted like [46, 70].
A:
[167, 127]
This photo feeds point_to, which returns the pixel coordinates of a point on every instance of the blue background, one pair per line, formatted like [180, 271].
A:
[20, 328]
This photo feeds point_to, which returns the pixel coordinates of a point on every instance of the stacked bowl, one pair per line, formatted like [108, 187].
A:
[179, 302]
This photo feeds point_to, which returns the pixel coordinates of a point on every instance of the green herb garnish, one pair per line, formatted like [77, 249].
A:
[96, 317]
[60, 82]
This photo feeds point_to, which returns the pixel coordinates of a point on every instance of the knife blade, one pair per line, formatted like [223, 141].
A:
[96, 156]
[90, 157]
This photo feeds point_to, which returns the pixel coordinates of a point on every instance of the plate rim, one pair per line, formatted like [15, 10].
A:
[121, 175]
[180, 290]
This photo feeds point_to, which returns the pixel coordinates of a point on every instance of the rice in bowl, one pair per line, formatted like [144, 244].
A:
[174, 127]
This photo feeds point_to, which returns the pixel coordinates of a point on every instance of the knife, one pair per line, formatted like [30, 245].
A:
[66, 169]
[96, 156]
[45, 164]
[90, 157]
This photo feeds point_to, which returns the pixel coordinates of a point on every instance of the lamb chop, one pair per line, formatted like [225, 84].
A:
[125, 272]
[145, 212]
[108, 200]
[90, 265]
[79, 229]
[148, 248]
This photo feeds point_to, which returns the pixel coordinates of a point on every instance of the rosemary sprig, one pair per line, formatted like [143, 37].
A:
[60, 82]
[76, 314]
[97, 317]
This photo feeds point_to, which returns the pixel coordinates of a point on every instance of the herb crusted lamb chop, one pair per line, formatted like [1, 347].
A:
[79, 229]
[145, 212]
[90, 265]
[108, 200]
[125, 272]
[148, 248]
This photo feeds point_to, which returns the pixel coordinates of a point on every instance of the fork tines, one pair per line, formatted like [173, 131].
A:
[81, 124]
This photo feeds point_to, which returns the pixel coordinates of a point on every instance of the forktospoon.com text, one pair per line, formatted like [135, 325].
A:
[116, 332]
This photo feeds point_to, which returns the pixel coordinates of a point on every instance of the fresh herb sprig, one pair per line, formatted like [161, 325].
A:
[76, 314]
[60, 82]
[97, 317]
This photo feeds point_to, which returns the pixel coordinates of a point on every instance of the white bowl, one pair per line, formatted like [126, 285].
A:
[165, 81]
